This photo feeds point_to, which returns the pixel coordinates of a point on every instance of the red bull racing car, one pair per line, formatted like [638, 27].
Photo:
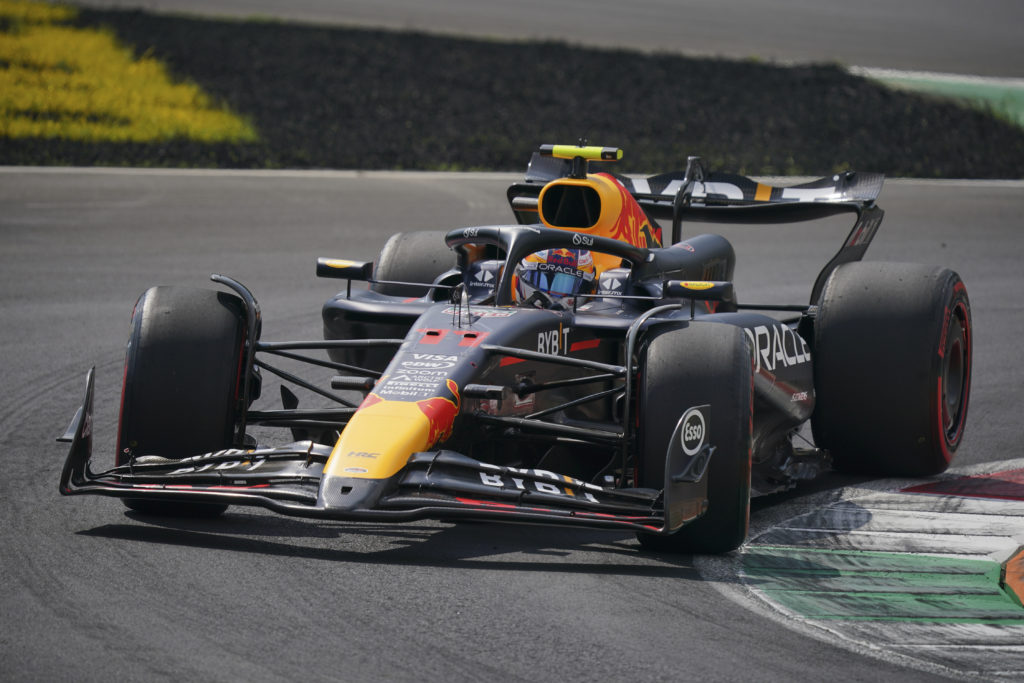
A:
[587, 365]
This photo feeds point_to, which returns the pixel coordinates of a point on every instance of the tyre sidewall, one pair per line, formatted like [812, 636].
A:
[182, 372]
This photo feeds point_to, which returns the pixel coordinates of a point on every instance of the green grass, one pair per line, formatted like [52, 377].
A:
[1002, 100]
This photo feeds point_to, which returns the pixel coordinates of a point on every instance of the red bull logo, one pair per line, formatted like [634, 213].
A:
[632, 225]
[441, 413]
[562, 257]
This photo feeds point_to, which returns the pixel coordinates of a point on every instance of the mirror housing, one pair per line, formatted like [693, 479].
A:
[344, 270]
[699, 290]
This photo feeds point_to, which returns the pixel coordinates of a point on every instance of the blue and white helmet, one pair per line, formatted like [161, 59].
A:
[559, 273]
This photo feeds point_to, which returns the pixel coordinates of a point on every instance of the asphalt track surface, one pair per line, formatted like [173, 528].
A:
[952, 36]
[90, 592]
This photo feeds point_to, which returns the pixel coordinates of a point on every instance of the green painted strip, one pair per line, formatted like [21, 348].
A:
[864, 585]
[1015, 623]
[875, 582]
[783, 558]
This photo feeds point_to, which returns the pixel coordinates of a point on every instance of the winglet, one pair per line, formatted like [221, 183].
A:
[80, 432]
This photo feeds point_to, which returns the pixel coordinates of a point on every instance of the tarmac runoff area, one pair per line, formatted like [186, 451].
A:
[930, 575]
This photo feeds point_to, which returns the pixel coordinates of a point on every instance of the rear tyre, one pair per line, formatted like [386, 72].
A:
[703, 363]
[892, 368]
[412, 257]
[181, 382]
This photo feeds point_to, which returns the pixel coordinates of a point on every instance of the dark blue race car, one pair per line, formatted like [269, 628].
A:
[584, 366]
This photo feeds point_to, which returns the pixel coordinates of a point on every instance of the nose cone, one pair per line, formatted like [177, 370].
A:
[348, 493]
[380, 437]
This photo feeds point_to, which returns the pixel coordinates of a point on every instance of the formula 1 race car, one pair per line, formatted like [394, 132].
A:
[581, 367]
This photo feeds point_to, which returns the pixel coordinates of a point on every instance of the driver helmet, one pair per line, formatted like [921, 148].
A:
[559, 273]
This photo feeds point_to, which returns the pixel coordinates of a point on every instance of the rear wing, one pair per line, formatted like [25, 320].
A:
[698, 195]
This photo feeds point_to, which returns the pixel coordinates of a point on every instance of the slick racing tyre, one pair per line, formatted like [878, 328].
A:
[702, 363]
[406, 257]
[412, 257]
[892, 368]
[181, 381]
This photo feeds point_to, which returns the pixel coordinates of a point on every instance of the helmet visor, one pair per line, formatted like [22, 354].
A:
[554, 282]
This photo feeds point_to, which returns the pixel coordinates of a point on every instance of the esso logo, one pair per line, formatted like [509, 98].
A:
[693, 431]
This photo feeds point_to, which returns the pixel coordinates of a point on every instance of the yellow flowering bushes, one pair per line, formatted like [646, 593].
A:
[60, 81]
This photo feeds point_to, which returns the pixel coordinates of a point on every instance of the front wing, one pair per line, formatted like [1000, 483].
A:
[433, 485]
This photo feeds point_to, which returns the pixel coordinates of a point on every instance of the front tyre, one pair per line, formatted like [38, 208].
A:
[892, 368]
[702, 363]
[181, 382]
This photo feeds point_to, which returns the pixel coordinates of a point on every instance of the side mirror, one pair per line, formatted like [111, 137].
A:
[344, 270]
[699, 290]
